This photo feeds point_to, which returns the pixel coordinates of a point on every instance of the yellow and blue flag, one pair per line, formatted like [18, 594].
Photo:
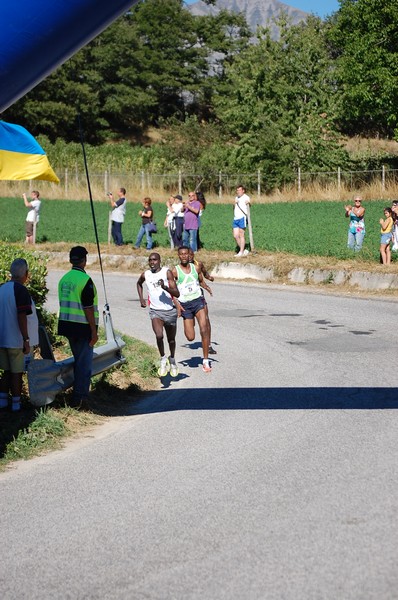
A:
[21, 157]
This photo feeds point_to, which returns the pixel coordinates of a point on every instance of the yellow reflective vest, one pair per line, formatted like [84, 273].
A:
[70, 290]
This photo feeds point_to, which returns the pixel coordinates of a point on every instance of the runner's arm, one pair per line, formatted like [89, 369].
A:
[171, 288]
[140, 291]
[202, 282]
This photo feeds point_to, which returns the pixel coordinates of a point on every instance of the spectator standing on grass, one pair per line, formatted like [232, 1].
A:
[191, 221]
[162, 311]
[386, 236]
[175, 220]
[146, 215]
[241, 207]
[33, 215]
[356, 228]
[169, 221]
[178, 209]
[19, 332]
[78, 320]
[117, 216]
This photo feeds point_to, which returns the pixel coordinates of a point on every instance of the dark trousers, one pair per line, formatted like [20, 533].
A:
[178, 232]
[83, 355]
[117, 233]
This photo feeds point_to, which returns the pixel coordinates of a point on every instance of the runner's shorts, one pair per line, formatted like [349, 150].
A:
[192, 307]
[167, 316]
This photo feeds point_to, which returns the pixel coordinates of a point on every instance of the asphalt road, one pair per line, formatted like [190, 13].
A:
[275, 476]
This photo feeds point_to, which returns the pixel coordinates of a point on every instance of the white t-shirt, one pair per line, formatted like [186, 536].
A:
[177, 207]
[159, 299]
[33, 214]
[240, 209]
[119, 212]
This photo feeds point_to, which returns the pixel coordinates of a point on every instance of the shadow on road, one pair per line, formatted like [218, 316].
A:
[258, 399]
[274, 399]
[113, 402]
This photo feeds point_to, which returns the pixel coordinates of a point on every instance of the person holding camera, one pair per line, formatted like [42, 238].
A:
[356, 229]
[117, 216]
[32, 217]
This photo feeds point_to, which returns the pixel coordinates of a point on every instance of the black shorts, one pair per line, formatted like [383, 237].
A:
[192, 308]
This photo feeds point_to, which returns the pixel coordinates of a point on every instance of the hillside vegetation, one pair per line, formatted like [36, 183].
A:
[222, 102]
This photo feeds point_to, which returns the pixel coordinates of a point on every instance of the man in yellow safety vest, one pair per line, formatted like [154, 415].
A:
[78, 320]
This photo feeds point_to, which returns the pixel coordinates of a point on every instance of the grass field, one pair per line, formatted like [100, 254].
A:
[301, 228]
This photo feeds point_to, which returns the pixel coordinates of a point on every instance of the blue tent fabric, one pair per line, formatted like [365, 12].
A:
[37, 36]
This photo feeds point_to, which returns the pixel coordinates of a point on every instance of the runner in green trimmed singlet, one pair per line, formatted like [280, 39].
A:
[189, 282]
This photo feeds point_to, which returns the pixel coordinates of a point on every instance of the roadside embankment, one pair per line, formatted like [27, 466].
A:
[259, 268]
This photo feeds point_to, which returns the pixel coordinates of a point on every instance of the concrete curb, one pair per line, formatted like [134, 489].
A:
[363, 280]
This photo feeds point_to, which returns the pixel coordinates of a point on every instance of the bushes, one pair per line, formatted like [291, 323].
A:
[37, 268]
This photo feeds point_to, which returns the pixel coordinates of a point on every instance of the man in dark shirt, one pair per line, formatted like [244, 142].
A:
[78, 320]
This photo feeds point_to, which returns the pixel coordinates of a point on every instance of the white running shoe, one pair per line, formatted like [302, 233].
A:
[239, 254]
[173, 369]
[206, 366]
[164, 367]
[245, 252]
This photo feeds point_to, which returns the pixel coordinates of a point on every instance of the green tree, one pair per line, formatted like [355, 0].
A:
[282, 103]
[150, 64]
[364, 37]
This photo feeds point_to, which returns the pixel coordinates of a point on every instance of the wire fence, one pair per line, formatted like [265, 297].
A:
[224, 184]
[220, 184]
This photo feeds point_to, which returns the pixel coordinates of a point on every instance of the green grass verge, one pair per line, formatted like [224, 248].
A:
[32, 432]
[299, 228]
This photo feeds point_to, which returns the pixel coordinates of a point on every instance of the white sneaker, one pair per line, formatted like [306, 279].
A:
[245, 252]
[173, 369]
[239, 254]
[164, 367]
[206, 366]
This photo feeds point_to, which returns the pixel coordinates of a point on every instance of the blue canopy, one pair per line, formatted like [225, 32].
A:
[37, 36]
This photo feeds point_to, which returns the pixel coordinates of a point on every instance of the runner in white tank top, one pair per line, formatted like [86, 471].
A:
[162, 310]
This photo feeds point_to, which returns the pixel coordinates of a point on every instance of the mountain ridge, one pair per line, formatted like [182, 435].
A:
[258, 13]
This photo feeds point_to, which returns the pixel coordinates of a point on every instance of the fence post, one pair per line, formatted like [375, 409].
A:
[219, 184]
[66, 182]
[180, 182]
[106, 182]
[338, 178]
[383, 178]
[258, 183]
[299, 181]
[142, 181]
[109, 227]
[34, 228]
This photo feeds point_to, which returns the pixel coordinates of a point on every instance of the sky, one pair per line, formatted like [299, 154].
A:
[322, 8]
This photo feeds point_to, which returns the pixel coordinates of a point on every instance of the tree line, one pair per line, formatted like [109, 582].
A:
[223, 100]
